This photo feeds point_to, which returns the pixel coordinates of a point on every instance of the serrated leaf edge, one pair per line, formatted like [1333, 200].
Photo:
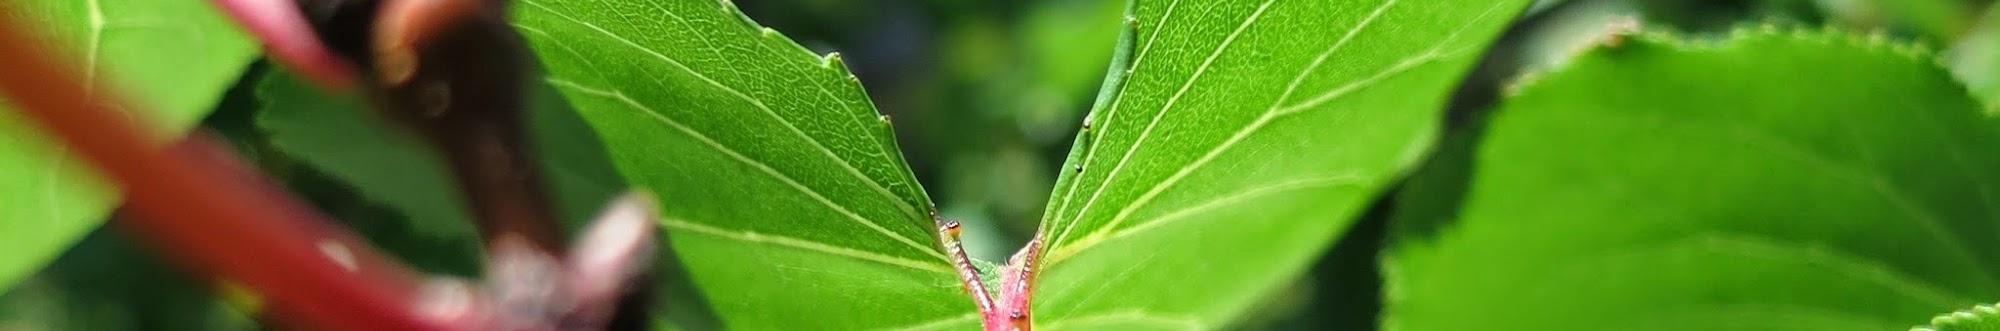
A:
[1876, 41]
[1951, 321]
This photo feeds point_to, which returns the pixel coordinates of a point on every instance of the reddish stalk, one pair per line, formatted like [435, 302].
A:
[1011, 311]
[1017, 283]
[210, 213]
[290, 40]
[968, 274]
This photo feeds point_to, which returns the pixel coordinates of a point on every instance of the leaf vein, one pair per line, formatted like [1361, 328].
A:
[1866, 179]
[1145, 133]
[766, 169]
[877, 186]
[802, 244]
[940, 323]
[1135, 316]
[1298, 184]
[1111, 113]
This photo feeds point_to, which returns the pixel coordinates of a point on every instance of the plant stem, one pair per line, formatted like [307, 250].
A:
[454, 71]
[284, 31]
[199, 207]
[968, 274]
[1017, 285]
[1010, 312]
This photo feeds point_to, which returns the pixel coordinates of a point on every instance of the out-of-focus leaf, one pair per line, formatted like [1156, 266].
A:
[782, 191]
[1567, 32]
[1977, 318]
[1067, 43]
[337, 135]
[1245, 136]
[1936, 20]
[1976, 60]
[111, 282]
[1742, 185]
[1065, 46]
[391, 166]
[1719, 17]
[171, 59]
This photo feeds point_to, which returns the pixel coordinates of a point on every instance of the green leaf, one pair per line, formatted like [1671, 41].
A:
[339, 136]
[391, 166]
[171, 59]
[1977, 318]
[1771, 181]
[1245, 137]
[110, 281]
[781, 189]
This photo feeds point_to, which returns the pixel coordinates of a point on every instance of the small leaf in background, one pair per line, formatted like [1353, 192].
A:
[1976, 60]
[110, 281]
[1064, 47]
[781, 190]
[1246, 136]
[174, 58]
[1565, 32]
[1977, 318]
[341, 137]
[1668, 185]
[1933, 20]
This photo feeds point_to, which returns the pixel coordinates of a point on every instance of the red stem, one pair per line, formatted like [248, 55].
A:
[968, 274]
[212, 214]
[1017, 278]
[1017, 285]
[282, 27]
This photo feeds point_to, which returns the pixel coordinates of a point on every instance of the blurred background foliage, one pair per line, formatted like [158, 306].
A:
[985, 97]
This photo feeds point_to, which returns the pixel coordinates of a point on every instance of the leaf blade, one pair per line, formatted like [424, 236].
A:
[778, 181]
[1234, 149]
[1855, 197]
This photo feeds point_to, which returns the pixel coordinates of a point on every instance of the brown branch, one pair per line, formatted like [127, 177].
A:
[208, 212]
[454, 71]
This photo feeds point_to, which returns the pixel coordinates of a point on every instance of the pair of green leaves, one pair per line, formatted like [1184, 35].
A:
[1741, 185]
[1233, 141]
